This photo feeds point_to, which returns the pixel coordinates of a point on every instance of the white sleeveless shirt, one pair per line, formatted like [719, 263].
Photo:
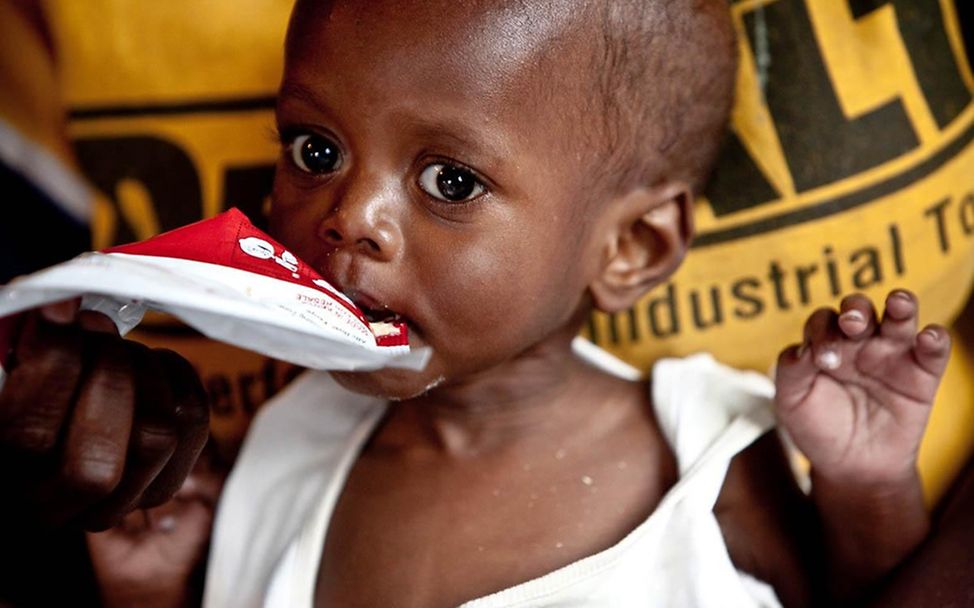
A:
[274, 511]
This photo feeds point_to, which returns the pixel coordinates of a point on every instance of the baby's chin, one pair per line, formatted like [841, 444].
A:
[389, 384]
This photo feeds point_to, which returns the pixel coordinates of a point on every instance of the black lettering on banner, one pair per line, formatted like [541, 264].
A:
[716, 316]
[937, 211]
[592, 330]
[776, 275]
[896, 246]
[165, 170]
[921, 24]
[253, 388]
[861, 8]
[633, 327]
[754, 305]
[256, 388]
[843, 202]
[614, 329]
[246, 385]
[737, 183]
[967, 214]
[221, 395]
[822, 145]
[663, 315]
[802, 274]
[614, 333]
[175, 108]
[870, 272]
[246, 188]
[672, 310]
[833, 271]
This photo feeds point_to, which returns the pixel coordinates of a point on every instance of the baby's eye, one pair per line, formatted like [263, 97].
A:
[450, 183]
[315, 154]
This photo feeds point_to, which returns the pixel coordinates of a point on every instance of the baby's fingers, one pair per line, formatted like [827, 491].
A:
[798, 366]
[900, 319]
[932, 349]
[794, 376]
[857, 317]
[824, 338]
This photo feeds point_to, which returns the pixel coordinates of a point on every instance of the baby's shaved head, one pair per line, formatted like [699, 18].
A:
[664, 82]
[643, 87]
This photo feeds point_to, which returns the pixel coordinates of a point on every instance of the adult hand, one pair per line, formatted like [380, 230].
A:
[93, 426]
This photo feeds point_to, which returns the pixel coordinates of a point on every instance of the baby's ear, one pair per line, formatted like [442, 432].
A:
[646, 239]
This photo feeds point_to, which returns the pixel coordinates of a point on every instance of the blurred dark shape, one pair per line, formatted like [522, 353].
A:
[34, 231]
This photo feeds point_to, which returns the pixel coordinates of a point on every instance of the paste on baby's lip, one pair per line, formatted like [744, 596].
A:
[384, 328]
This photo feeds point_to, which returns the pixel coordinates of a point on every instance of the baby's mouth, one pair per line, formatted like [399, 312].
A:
[380, 315]
[385, 322]
[375, 312]
[382, 319]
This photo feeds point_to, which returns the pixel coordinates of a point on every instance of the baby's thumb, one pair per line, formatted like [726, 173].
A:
[794, 376]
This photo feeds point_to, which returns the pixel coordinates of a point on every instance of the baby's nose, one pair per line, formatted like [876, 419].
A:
[365, 221]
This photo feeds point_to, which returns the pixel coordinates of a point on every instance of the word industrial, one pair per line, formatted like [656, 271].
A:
[673, 309]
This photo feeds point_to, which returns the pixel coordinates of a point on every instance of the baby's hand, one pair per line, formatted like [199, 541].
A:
[855, 396]
[152, 558]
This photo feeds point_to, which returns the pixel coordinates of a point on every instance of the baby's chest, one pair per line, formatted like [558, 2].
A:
[441, 538]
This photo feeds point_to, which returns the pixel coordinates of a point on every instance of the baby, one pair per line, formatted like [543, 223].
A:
[491, 172]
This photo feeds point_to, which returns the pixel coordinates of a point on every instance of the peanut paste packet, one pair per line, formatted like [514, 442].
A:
[230, 281]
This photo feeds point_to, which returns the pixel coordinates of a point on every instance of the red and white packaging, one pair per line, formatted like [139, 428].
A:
[228, 280]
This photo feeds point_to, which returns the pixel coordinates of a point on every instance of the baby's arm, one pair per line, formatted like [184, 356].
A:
[941, 568]
[855, 398]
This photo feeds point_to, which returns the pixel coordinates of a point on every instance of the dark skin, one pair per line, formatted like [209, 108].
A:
[93, 426]
[939, 573]
[569, 501]
[502, 336]
[498, 280]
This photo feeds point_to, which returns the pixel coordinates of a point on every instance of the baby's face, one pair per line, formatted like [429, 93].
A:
[424, 176]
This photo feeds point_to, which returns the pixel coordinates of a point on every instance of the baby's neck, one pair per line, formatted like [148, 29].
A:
[545, 396]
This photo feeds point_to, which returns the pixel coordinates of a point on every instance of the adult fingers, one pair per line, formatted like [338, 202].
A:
[39, 390]
[189, 409]
[91, 320]
[97, 436]
[153, 440]
[61, 313]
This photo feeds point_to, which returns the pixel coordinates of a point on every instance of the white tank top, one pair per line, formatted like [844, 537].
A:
[274, 511]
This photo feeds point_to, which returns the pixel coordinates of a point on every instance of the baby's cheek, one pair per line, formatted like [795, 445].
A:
[296, 231]
[483, 290]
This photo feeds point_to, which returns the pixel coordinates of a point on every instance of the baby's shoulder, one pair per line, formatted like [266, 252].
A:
[679, 383]
[692, 400]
